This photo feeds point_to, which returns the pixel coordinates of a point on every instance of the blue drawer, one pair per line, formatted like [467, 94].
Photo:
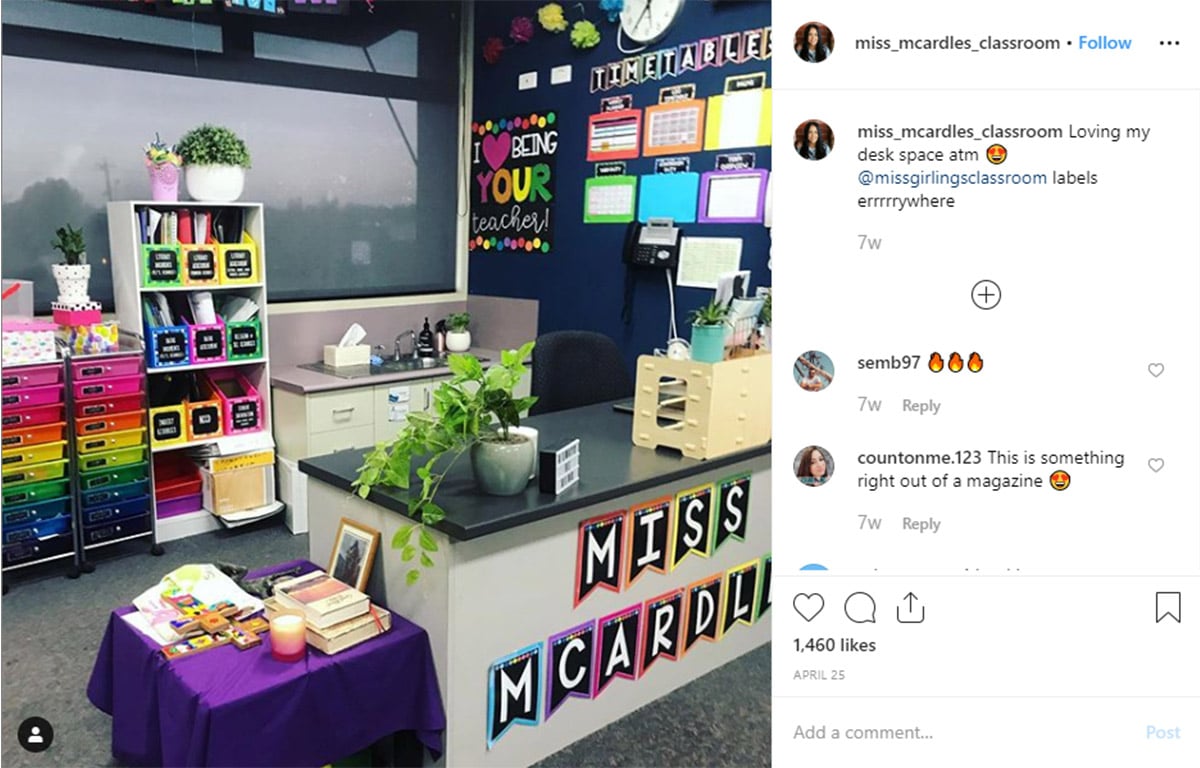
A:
[114, 494]
[37, 529]
[16, 516]
[109, 531]
[114, 511]
[28, 551]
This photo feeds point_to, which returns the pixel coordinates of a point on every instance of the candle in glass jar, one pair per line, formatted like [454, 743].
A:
[287, 637]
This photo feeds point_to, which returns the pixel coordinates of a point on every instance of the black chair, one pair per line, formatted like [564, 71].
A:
[576, 368]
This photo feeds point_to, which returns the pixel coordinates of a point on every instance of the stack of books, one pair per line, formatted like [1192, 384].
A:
[337, 615]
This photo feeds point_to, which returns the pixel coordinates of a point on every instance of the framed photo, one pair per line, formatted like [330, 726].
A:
[353, 553]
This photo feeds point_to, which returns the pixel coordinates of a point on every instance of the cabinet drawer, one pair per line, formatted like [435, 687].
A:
[43, 528]
[116, 422]
[30, 396]
[116, 510]
[99, 534]
[109, 477]
[114, 493]
[35, 473]
[107, 406]
[117, 366]
[101, 388]
[28, 551]
[339, 410]
[339, 440]
[30, 492]
[111, 441]
[17, 516]
[33, 376]
[34, 454]
[32, 417]
[44, 433]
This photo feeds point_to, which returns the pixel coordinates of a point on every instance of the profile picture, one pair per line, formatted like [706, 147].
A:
[814, 42]
[813, 371]
[813, 466]
[813, 140]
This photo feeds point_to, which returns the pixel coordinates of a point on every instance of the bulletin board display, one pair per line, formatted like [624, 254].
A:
[614, 135]
[733, 197]
[609, 199]
[675, 127]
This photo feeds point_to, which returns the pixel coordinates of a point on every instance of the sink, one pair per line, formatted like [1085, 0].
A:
[403, 365]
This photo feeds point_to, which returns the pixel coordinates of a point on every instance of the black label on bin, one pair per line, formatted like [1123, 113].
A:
[95, 425]
[243, 340]
[97, 498]
[11, 420]
[15, 477]
[11, 380]
[91, 370]
[210, 342]
[92, 389]
[163, 266]
[245, 415]
[94, 444]
[201, 265]
[11, 459]
[168, 425]
[170, 346]
[11, 440]
[238, 265]
[206, 420]
[11, 399]
[93, 410]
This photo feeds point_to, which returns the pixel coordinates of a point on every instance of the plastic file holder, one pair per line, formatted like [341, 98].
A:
[161, 266]
[201, 265]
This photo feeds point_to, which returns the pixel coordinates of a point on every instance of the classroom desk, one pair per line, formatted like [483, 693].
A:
[505, 574]
[225, 707]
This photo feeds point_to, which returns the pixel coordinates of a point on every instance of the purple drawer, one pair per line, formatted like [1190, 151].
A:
[179, 506]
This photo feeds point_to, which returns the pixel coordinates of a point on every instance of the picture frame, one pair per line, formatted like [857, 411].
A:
[353, 553]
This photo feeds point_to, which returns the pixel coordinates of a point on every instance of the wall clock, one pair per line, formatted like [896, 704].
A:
[647, 21]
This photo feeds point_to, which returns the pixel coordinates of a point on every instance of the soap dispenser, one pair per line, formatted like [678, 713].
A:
[439, 337]
[425, 341]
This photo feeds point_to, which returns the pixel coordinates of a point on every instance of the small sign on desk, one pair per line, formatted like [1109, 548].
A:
[558, 467]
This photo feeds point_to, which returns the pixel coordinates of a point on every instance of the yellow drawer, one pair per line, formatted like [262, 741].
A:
[33, 454]
[339, 410]
[111, 441]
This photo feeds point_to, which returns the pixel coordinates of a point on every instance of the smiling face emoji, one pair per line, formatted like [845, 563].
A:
[1059, 480]
[997, 154]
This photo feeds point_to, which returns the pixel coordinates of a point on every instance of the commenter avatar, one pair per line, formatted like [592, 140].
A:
[813, 42]
[813, 140]
[813, 466]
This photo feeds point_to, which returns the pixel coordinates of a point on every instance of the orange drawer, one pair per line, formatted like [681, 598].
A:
[113, 423]
[45, 433]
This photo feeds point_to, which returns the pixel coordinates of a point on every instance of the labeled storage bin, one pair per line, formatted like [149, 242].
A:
[44, 433]
[32, 376]
[41, 509]
[38, 529]
[120, 475]
[206, 342]
[204, 419]
[239, 263]
[34, 473]
[99, 534]
[108, 405]
[162, 266]
[118, 510]
[116, 366]
[110, 441]
[201, 264]
[27, 551]
[30, 492]
[117, 422]
[112, 459]
[112, 494]
[241, 405]
[168, 345]
[168, 425]
[118, 385]
[32, 417]
[244, 340]
[33, 454]
[30, 396]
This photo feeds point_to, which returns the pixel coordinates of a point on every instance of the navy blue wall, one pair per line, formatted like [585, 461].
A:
[580, 284]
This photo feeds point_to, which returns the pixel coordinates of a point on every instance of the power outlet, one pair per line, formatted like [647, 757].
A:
[560, 75]
[526, 81]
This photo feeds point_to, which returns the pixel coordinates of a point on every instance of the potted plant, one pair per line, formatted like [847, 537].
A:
[458, 335]
[214, 160]
[163, 162]
[73, 273]
[709, 324]
[430, 444]
[764, 321]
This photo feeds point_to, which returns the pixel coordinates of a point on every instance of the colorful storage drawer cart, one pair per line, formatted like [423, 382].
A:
[38, 524]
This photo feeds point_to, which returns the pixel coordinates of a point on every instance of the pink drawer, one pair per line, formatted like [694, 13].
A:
[32, 376]
[106, 406]
[116, 366]
[23, 398]
[31, 417]
[120, 385]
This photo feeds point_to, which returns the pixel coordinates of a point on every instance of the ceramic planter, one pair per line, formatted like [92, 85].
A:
[164, 181]
[503, 468]
[708, 343]
[458, 341]
[215, 183]
[72, 282]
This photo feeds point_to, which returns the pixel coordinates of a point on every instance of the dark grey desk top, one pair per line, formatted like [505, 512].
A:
[611, 466]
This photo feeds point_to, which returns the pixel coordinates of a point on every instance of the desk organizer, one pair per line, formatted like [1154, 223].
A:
[244, 340]
[162, 266]
[239, 263]
[206, 342]
[702, 409]
[241, 405]
[168, 345]
[201, 264]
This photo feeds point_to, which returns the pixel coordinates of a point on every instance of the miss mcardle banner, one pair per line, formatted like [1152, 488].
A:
[512, 183]
[732, 48]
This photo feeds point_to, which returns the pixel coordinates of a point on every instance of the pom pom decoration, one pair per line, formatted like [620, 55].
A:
[521, 30]
[613, 8]
[585, 35]
[550, 16]
[492, 49]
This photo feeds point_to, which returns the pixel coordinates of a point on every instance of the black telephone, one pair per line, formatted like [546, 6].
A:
[654, 244]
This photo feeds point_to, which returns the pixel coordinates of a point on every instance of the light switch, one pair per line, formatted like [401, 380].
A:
[560, 75]
[526, 81]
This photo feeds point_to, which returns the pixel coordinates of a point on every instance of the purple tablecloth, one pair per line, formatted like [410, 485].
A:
[225, 707]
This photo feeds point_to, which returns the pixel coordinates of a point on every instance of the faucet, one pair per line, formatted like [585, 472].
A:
[412, 337]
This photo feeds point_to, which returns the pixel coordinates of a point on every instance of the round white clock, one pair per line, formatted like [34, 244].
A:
[647, 21]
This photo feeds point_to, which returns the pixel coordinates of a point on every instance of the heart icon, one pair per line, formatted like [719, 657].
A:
[1155, 464]
[496, 149]
[1155, 369]
[808, 606]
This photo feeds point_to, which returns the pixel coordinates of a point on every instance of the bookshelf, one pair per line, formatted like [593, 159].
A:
[208, 378]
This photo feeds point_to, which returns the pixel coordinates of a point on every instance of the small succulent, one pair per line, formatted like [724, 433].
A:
[158, 152]
[70, 241]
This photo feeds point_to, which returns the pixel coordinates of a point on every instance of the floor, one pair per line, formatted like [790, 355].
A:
[51, 626]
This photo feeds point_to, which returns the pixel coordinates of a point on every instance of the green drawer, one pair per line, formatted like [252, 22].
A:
[24, 494]
[120, 475]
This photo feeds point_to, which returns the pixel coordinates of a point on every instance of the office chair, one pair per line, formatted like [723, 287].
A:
[576, 368]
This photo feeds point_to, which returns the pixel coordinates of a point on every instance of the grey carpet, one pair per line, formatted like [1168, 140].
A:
[51, 627]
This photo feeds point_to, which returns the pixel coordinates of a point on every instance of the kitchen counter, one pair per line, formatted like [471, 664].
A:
[293, 378]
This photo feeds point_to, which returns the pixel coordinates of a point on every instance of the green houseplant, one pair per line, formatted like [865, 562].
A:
[431, 444]
[709, 324]
[458, 334]
[73, 273]
[214, 160]
[764, 320]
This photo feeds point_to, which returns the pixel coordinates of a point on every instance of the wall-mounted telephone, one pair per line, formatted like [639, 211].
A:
[655, 244]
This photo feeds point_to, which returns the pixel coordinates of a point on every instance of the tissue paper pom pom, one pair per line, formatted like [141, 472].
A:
[492, 49]
[521, 30]
[584, 35]
[550, 16]
[613, 8]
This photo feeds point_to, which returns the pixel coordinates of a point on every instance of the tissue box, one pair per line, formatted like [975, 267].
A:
[338, 357]
[90, 339]
[28, 341]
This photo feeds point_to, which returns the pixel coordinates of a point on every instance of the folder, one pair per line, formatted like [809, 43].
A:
[185, 227]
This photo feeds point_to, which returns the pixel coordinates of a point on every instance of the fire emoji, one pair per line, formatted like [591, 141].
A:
[935, 363]
[975, 363]
[955, 365]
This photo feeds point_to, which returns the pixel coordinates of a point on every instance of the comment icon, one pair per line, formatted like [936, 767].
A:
[860, 608]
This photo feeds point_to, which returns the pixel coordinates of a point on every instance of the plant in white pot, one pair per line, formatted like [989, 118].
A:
[73, 273]
[214, 163]
[464, 408]
[458, 333]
